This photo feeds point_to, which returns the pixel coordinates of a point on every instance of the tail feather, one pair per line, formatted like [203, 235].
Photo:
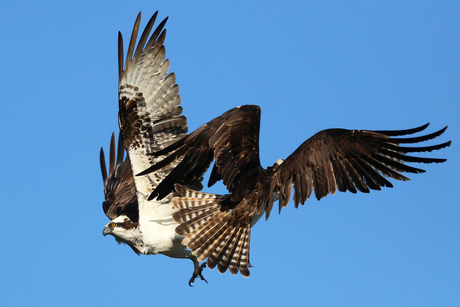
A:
[193, 224]
[224, 255]
[204, 235]
[205, 242]
[223, 250]
[186, 214]
[211, 231]
[241, 260]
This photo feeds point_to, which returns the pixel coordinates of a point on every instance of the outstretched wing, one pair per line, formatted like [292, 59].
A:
[232, 140]
[349, 160]
[149, 103]
[119, 189]
[335, 159]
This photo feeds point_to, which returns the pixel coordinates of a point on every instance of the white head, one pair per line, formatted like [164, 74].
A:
[124, 231]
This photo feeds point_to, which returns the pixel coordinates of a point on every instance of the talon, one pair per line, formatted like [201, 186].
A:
[196, 273]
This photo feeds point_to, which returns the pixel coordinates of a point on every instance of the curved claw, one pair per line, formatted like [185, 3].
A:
[197, 272]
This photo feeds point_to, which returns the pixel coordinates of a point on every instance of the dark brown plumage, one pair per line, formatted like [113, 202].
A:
[119, 189]
[218, 227]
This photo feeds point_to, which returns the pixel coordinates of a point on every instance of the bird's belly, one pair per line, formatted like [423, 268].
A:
[159, 238]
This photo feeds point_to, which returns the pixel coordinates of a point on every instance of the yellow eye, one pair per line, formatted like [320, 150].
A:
[112, 225]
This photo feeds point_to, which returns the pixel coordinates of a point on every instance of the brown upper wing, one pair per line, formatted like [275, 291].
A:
[232, 140]
[119, 190]
[349, 160]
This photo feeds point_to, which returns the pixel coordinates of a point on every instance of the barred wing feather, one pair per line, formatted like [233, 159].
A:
[149, 102]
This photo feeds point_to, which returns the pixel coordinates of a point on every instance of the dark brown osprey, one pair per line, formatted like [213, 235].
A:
[150, 119]
[218, 227]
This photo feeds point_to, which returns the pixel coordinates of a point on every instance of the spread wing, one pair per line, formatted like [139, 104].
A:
[218, 227]
[350, 160]
[119, 189]
[232, 140]
[149, 103]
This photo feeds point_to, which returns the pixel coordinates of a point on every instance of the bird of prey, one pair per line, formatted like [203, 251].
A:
[218, 227]
[150, 119]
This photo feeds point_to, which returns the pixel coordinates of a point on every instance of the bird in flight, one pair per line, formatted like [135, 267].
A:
[218, 227]
[150, 119]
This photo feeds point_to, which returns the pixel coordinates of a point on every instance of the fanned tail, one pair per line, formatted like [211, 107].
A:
[212, 230]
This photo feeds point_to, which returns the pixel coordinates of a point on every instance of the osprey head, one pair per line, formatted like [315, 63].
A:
[124, 231]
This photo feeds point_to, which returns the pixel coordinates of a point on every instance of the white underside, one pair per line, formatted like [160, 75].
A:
[158, 230]
[156, 224]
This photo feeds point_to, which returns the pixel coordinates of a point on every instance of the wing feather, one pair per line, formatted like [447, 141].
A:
[351, 160]
[232, 140]
[150, 114]
[119, 190]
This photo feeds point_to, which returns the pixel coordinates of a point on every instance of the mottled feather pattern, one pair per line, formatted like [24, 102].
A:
[149, 102]
[211, 231]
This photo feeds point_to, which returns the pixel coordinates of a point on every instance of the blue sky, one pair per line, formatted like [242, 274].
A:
[310, 65]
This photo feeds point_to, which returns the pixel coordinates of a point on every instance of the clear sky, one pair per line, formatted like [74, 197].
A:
[310, 65]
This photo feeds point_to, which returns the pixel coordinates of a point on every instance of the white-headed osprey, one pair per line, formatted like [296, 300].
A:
[150, 119]
[218, 227]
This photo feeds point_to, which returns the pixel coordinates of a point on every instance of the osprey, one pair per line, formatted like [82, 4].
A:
[150, 119]
[218, 227]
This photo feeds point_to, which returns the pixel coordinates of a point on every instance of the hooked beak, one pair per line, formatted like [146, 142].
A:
[106, 231]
